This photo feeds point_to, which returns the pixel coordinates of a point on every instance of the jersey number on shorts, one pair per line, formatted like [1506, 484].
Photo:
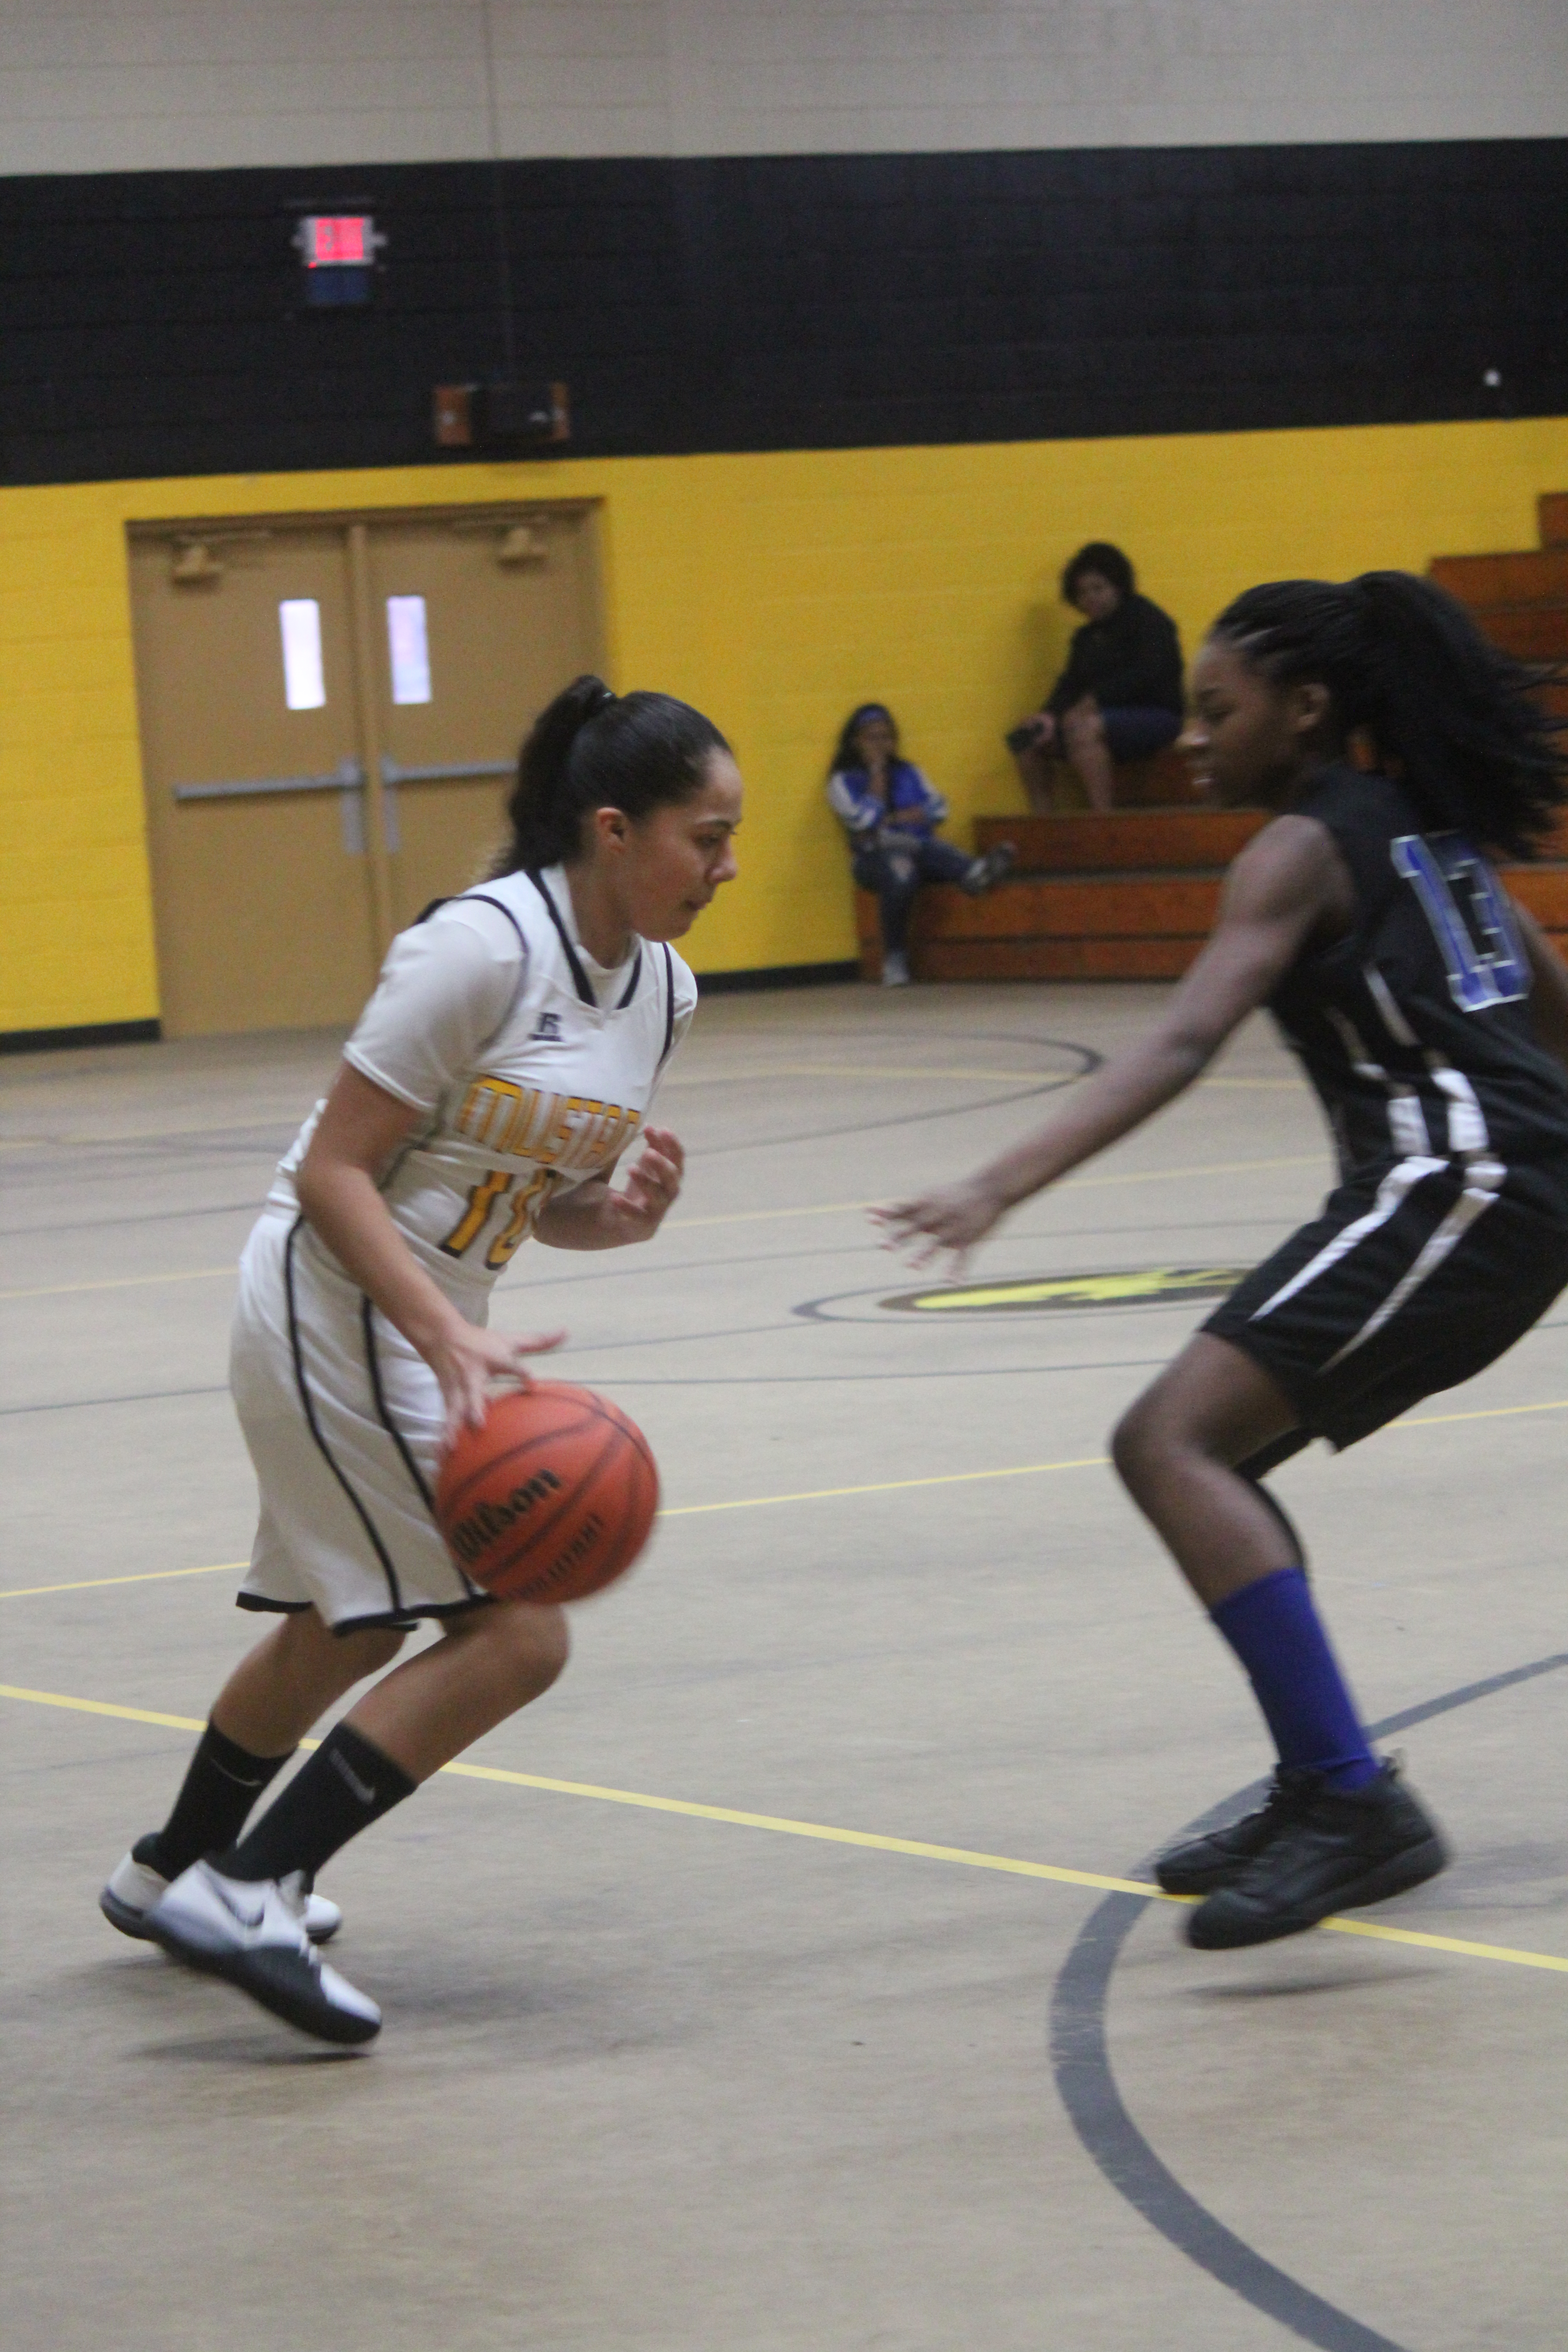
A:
[1477, 941]
[525, 1210]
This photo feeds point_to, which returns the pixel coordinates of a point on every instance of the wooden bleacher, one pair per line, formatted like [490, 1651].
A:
[1131, 895]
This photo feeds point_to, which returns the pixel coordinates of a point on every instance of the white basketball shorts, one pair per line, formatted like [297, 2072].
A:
[344, 1420]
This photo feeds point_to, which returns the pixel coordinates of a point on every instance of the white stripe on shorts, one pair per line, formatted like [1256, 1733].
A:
[1483, 1182]
[1393, 1190]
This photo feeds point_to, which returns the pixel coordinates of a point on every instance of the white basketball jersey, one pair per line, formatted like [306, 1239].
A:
[533, 1067]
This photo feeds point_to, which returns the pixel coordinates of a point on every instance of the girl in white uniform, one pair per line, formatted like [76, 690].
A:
[508, 1058]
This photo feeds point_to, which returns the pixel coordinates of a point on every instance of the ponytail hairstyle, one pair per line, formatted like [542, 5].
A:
[1461, 722]
[590, 749]
[846, 752]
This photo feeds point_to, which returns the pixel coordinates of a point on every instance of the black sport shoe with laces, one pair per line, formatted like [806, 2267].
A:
[1328, 1853]
[1219, 1859]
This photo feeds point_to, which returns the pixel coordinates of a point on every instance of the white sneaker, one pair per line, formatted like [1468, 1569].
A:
[251, 1933]
[135, 1884]
[895, 969]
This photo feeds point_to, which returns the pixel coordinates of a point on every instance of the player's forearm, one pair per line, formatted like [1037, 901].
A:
[344, 1207]
[1101, 1110]
[575, 1220]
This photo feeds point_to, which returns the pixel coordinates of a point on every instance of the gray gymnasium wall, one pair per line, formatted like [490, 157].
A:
[193, 85]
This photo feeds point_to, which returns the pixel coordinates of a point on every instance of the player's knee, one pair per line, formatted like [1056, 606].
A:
[1144, 1442]
[535, 1643]
[1083, 729]
[1129, 1446]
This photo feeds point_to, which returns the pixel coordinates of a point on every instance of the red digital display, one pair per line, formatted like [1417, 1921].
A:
[336, 240]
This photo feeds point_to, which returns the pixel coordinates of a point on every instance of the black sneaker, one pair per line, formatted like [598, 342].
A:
[984, 873]
[1327, 1852]
[1220, 1858]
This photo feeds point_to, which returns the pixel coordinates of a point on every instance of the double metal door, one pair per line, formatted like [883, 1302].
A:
[331, 711]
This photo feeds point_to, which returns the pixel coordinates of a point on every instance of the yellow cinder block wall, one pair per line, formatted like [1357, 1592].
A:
[774, 591]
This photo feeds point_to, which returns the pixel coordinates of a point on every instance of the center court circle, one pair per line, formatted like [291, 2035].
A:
[1154, 1286]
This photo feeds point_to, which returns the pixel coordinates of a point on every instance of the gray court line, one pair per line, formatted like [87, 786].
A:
[1090, 1060]
[142, 1396]
[1080, 2060]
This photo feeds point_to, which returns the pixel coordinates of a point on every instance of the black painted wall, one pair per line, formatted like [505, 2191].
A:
[151, 323]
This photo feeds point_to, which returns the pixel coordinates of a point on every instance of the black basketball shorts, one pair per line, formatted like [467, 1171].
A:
[1415, 1278]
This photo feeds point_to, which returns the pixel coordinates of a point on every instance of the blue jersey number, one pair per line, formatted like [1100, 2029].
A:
[1484, 955]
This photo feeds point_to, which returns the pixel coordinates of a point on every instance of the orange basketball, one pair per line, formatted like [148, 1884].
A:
[551, 1499]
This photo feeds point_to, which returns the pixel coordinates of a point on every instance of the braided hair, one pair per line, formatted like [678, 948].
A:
[592, 749]
[1463, 722]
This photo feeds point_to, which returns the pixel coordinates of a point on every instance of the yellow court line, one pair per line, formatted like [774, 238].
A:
[1054, 1080]
[122, 1282]
[679, 1511]
[1067, 1184]
[888, 1485]
[818, 1495]
[1487, 1412]
[736, 1217]
[780, 1825]
[147, 1576]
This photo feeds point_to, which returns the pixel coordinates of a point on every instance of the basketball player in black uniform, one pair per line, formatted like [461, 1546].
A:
[1399, 750]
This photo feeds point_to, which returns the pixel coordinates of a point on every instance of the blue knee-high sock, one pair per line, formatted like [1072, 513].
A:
[1274, 1630]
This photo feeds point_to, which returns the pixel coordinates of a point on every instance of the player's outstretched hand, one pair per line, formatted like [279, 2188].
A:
[652, 1187]
[953, 1218]
[467, 1362]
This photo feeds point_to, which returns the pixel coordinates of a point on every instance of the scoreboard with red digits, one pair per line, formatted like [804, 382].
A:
[338, 251]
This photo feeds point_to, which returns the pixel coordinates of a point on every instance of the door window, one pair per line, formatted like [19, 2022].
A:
[408, 647]
[304, 679]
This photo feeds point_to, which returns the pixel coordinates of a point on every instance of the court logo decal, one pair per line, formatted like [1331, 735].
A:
[1151, 1285]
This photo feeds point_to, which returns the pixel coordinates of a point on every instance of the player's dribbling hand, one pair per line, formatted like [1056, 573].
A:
[469, 1362]
[651, 1190]
[953, 1218]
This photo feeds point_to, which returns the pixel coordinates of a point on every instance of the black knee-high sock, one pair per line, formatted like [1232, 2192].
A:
[347, 1784]
[222, 1783]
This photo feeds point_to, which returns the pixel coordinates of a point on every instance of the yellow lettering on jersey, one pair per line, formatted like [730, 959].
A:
[493, 1108]
[482, 1198]
[526, 1212]
[581, 1154]
[557, 1141]
[615, 1131]
[568, 1132]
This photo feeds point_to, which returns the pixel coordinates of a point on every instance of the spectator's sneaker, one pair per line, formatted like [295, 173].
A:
[1330, 1853]
[1219, 1859]
[137, 1883]
[895, 969]
[984, 873]
[251, 1933]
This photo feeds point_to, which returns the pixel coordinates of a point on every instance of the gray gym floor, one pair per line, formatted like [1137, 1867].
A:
[671, 2081]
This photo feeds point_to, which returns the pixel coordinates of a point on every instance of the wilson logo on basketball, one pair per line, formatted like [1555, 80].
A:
[528, 1533]
[581, 1545]
[471, 1535]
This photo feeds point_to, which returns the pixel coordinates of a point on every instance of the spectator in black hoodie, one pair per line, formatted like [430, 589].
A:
[1120, 697]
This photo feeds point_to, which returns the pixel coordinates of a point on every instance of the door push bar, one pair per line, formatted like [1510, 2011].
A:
[450, 772]
[347, 780]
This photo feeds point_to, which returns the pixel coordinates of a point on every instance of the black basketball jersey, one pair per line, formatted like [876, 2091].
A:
[1415, 1028]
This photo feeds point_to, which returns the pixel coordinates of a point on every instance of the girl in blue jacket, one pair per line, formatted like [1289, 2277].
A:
[891, 814]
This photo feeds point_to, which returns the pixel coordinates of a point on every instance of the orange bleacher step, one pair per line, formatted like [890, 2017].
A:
[1551, 513]
[1106, 926]
[1543, 890]
[1167, 839]
[1532, 575]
